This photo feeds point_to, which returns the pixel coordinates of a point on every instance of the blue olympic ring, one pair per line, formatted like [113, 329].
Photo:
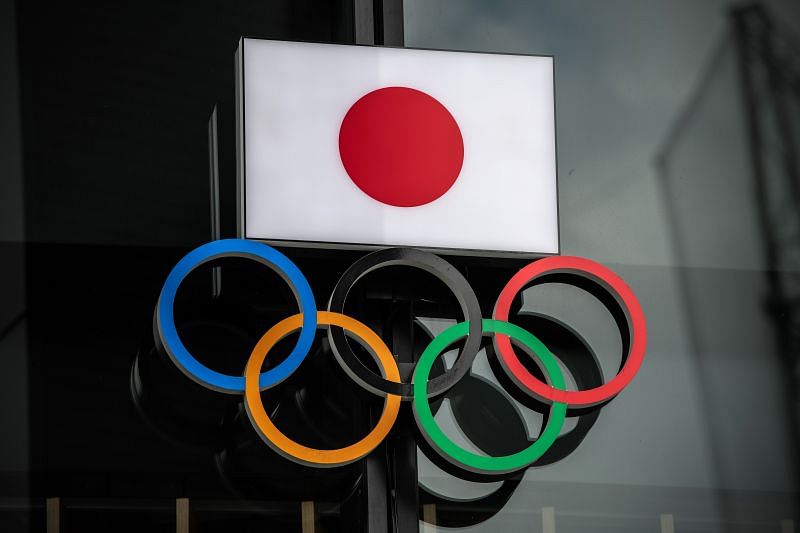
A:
[165, 319]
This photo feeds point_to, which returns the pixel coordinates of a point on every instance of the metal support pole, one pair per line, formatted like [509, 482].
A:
[378, 22]
[375, 487]
[405, 492]
[364, 21]
[213, 175]
[389, 22]
[390, 483]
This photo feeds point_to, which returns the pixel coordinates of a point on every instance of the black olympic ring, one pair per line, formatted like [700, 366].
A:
[445, 272]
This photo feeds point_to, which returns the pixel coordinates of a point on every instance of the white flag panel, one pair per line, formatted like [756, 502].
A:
[295, 187]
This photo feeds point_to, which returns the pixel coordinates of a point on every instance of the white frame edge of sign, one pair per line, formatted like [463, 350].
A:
[241, 168]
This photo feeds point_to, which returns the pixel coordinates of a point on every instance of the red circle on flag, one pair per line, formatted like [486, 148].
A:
[401, 146]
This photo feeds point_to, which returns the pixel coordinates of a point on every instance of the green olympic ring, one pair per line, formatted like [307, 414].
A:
[454, 453]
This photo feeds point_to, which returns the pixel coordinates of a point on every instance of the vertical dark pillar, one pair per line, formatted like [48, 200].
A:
[403, 452]
[390, 472]
[389, 22]
[378, 22]
[375, 492]
[364, 22]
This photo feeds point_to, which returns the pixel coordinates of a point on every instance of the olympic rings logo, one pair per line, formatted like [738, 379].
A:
[604, 284]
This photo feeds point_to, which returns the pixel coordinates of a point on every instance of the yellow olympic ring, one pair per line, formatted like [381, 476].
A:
[286, 446]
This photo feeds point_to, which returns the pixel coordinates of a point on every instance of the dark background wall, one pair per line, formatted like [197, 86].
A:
[116, 100]
[104, 184]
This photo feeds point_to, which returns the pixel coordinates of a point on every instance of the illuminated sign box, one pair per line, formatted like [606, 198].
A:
[359, 146]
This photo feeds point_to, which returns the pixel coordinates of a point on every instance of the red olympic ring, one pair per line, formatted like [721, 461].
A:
[606, 279]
